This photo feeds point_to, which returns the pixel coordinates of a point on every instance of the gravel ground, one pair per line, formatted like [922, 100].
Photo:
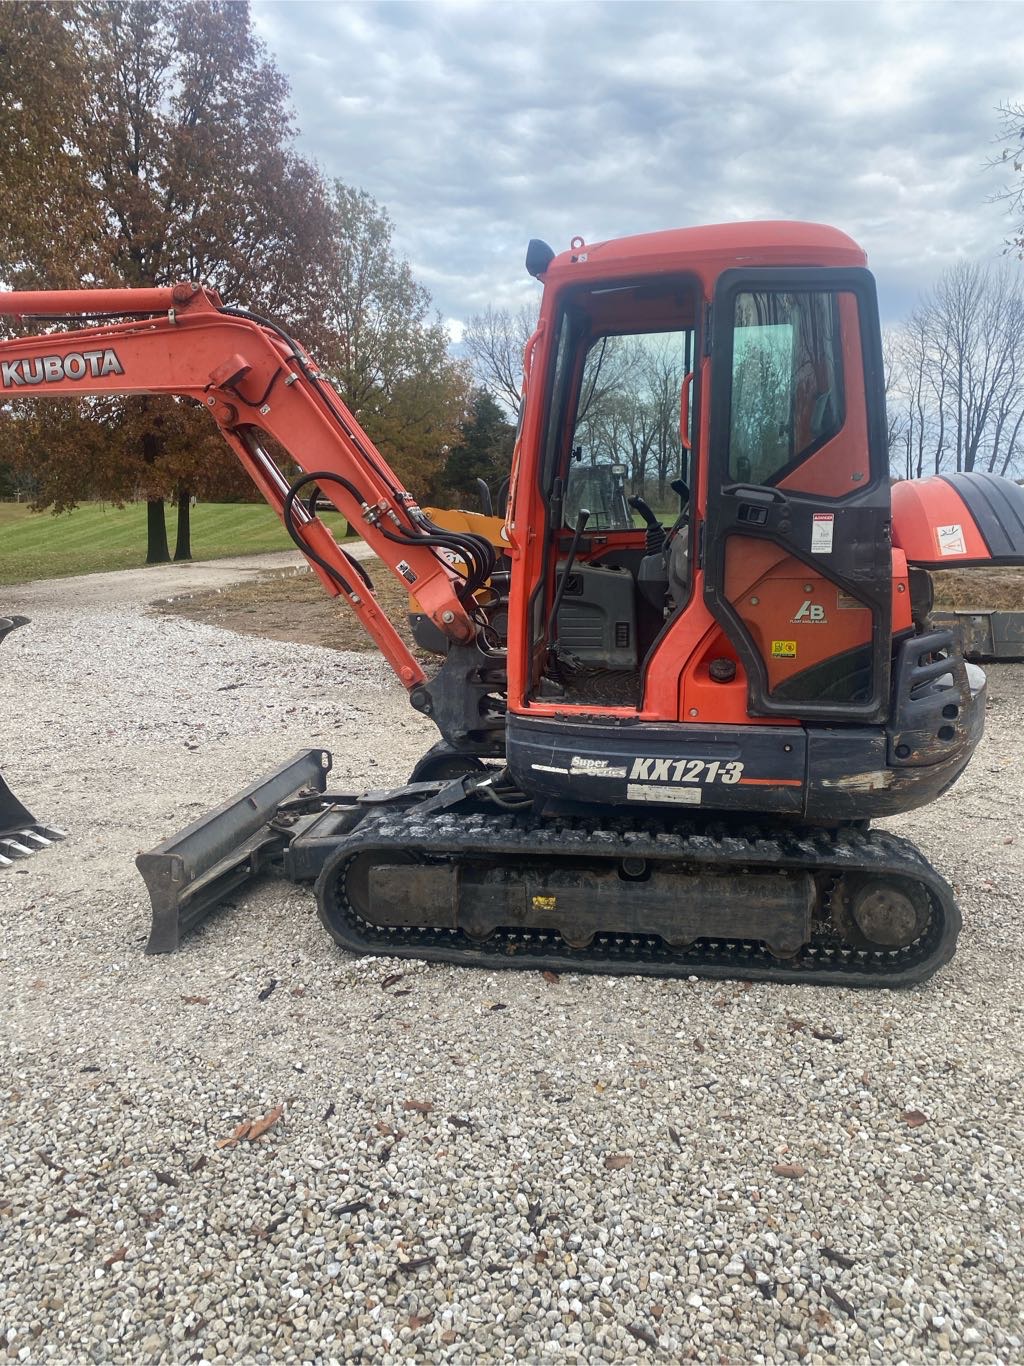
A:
[468, 1166]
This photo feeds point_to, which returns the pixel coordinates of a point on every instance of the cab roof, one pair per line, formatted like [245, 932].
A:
[707, 251]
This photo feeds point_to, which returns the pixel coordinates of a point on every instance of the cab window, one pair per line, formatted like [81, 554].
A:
[787, 398]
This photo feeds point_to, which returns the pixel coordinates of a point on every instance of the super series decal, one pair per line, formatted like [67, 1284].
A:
[15, 374]
[662, 771]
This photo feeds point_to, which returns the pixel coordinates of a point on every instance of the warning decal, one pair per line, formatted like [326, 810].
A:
[951, 539]
[783, 649]
[822, 529]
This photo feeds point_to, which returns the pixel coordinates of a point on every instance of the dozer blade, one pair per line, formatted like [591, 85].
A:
[190, 873]
[20, 833]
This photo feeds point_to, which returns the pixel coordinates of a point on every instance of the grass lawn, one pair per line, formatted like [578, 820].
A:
[97, 537]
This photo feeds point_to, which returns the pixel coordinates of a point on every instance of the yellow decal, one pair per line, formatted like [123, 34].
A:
[783, 649]
[544, 903]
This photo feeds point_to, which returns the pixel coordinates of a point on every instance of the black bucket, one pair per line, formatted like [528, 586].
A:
[20, 833]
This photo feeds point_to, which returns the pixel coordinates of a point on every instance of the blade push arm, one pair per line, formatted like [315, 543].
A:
[254, 380]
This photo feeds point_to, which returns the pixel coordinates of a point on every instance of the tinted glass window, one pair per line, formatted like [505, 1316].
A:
[786, 382]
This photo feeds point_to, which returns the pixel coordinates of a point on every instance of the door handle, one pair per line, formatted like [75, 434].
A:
[754, 493]
[684, 411]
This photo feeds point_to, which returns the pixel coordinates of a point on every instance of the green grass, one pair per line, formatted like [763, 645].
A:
[98, 537]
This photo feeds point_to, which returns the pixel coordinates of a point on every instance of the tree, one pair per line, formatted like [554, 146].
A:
[483, 449]
[174, 161]
[495, 341]
[1011, 159]
[386, 354]
[958, 395]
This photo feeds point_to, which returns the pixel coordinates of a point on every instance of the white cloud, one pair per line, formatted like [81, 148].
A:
[482, 125]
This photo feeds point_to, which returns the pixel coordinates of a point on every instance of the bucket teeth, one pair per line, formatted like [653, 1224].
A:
[34, 838]
[14, 848]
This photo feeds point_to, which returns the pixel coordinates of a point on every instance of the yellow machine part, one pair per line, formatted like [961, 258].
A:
[456, 519]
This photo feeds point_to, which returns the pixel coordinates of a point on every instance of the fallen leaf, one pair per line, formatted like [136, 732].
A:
[118, 1256]
[329, 1111]
[498, 1005]
[260, 1126]
[642, 1334]
[72, 1213]
[385, 1130]
[795, 1025]
[838, 1300]
[391, 979]
[414, 1264]
[674, 1136]
[198, 1164]
[540, 1256]
[251, 1129]
[792, 1170]
[268, 990]
[840, 1258]
[827, 1035]
[353, 1207]
[823, 1318]
[165, 1179]
[913, 1119]
[298, 991]
[551, 977]
[406, 991]
[232, 1139]
[153, 1215]
[616, 1161]
[196, 1000]
[458, 1123]
[422, 1107]
[418, 1320]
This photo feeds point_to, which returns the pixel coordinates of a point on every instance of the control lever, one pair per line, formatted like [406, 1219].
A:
[654, 542]
[581, 521]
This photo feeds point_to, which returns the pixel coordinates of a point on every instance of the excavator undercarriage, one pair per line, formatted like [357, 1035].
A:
[465, 870]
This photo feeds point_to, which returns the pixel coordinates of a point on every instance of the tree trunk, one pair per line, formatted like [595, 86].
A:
[183, 544]
[156, 533]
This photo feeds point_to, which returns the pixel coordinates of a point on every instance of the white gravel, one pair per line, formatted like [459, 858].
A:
[589, 1173]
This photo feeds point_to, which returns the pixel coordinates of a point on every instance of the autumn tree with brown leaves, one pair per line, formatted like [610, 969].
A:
[141, 144]
[386, 352]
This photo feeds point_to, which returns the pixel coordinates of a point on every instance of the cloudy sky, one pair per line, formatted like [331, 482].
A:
[480, 125]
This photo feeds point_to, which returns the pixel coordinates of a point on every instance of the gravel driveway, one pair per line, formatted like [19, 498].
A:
[468, 1166]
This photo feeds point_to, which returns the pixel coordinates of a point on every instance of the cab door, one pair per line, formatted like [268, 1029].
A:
[797, 549]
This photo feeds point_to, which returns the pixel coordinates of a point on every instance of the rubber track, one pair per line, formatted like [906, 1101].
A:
[487, 836]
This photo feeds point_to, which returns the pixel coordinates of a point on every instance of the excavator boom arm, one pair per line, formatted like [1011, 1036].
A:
[255, 381]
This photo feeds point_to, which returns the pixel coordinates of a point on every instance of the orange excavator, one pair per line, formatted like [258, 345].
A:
[661, 745]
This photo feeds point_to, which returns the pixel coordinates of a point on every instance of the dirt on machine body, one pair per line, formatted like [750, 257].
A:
[660, 744]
